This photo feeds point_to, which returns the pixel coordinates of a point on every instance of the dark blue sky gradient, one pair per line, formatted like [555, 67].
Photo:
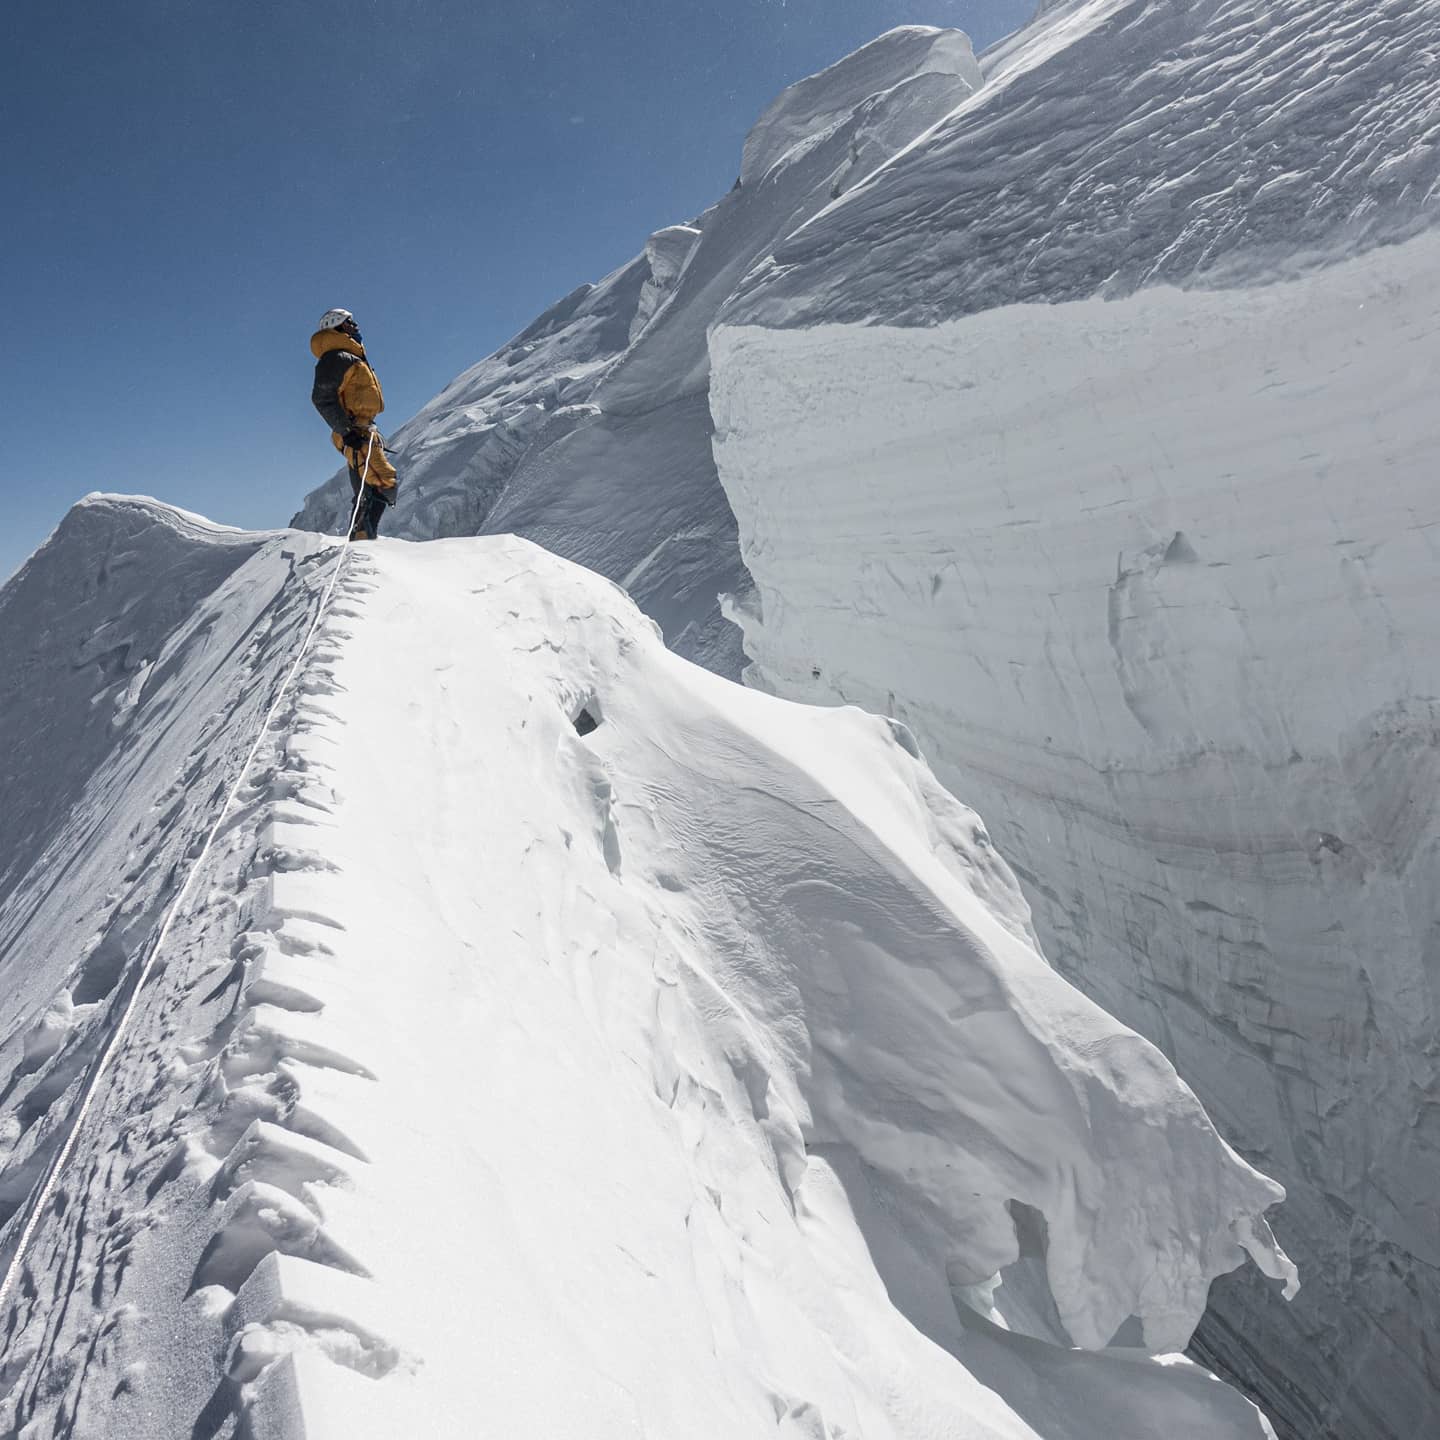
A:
[185, 185]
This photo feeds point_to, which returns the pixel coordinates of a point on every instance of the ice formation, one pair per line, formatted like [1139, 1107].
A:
[1095, 437]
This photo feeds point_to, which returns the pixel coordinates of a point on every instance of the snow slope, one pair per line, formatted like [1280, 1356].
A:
[693, 1075]
[1123, 143]
[599, 448]
[1094, 436]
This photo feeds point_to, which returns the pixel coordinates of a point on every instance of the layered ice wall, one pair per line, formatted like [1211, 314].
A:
[590, 433]
[688, 1070]
[1151, 573]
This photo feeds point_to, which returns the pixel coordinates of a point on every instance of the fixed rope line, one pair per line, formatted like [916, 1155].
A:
[41, 1197]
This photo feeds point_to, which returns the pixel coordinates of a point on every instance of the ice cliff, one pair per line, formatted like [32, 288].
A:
[1094, 437]
[558, 1040]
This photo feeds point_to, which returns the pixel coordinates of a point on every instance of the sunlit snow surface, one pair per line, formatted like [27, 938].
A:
[1124, 143]
[693, 1076]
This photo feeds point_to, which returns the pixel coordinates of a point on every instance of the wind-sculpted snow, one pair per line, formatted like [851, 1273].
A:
[602, 452]
[808, 113]
[74, 662]
[1120, 143]
[686, 1071]
[1154, 582]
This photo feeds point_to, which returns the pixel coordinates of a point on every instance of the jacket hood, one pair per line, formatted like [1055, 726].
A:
[323, 342]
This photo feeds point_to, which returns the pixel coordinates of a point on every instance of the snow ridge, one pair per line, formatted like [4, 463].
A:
[490, 1028]
[809, 112]
[45, 1190]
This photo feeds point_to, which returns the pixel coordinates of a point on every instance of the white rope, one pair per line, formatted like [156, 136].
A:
[41, 1197]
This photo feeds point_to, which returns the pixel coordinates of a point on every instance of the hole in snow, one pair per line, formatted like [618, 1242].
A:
[103, 967]
[1180, 551]
[588, 717]
[1032, 1232]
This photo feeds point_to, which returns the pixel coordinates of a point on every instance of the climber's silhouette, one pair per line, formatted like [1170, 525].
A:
[348, 397]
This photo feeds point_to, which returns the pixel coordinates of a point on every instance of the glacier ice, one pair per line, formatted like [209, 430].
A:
[1094, 439]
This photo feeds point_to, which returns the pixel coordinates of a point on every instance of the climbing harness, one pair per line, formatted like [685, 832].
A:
[42, 1195]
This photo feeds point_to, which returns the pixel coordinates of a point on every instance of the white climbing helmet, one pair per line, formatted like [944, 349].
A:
[334, 319]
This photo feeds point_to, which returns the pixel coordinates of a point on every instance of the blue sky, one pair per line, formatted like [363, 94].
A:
[187, 184]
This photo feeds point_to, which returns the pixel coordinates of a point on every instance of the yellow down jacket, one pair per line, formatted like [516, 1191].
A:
[348, 396]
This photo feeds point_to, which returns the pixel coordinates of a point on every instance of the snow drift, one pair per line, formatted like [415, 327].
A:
[561, 1039]
[1094, 437]
[590, 431]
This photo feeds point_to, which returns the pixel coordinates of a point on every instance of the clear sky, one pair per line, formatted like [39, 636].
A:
[186, 185]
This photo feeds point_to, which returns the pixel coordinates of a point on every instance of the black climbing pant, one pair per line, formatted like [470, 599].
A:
[372, 507]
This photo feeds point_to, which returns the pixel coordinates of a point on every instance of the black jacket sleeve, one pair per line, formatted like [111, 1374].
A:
[325, 396]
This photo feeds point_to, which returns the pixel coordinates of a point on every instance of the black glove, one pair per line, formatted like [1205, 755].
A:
[356, 439]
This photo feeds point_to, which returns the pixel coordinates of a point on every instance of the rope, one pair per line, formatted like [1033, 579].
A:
[42, 1196]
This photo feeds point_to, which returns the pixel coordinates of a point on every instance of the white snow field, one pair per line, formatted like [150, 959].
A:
[1096, 438]
[693, 1075]
[590, 431]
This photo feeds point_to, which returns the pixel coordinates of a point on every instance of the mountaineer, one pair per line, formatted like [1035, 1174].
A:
[348, 397]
